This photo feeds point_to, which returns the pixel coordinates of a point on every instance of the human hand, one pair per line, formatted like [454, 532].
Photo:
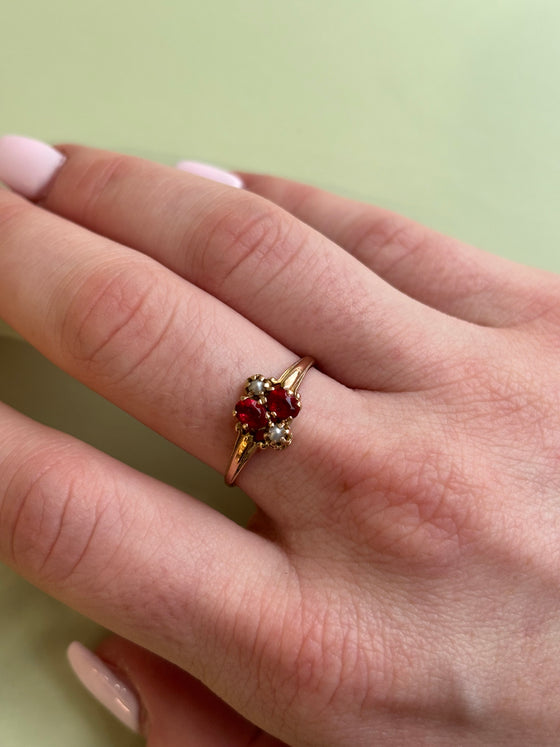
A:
[399, 584]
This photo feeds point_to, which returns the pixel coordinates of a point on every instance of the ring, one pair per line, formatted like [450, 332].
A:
[264, 414]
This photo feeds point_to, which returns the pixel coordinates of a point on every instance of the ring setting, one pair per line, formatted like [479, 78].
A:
[266, 411]
[264, 414]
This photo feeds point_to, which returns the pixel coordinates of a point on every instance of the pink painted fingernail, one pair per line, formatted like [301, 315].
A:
[28, 165]
[110, 690]
[210, 172]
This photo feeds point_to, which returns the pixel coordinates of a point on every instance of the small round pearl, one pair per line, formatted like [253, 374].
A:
[276, 434]
[256, 387]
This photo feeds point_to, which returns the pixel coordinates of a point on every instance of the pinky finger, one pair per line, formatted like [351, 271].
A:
[141, 558]
[434, 269]
[159, 700]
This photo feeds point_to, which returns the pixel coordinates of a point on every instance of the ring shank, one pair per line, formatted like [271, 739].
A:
[243, 450]
[293, 376]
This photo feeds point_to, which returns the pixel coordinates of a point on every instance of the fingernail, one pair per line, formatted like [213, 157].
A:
[110, 690]
[210, 172]
[27, 165]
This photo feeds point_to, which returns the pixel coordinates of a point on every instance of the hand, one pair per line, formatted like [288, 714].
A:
[400, 583]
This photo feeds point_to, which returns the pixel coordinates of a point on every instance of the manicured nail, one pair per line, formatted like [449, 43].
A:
[210, 172]
[27, 165]
[110, 690]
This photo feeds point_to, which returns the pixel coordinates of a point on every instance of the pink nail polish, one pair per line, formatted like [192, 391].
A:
[210, 172]
[111, 691]
[27, 165]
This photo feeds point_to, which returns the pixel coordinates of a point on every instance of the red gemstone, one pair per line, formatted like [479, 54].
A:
[251, 413]
[259, 436]
[285, 405]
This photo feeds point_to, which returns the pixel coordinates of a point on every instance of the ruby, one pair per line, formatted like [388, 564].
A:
[251, 413]
[259, 436]
[284, 404]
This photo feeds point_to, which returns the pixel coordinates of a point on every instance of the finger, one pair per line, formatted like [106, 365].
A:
[160, 348]
[175, 709]
[432, 268]
[290, 281]
[139, 557]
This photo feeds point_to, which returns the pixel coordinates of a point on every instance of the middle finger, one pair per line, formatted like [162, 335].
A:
[288, 279]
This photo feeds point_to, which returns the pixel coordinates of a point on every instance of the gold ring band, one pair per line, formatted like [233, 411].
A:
[264, 414]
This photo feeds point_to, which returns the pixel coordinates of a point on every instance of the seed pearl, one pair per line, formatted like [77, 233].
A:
[256, 387]
[276, 434]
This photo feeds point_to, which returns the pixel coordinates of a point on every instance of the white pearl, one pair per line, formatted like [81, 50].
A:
[256, 387]
[276, 434]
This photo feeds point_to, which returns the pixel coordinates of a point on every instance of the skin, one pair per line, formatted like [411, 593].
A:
[400, 582]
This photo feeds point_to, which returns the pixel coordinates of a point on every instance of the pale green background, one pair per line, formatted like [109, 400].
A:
[447, 111]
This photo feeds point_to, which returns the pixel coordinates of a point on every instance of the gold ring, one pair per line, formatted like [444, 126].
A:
[264, 414]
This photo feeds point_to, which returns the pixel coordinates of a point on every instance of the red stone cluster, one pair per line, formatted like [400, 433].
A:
[275, 406]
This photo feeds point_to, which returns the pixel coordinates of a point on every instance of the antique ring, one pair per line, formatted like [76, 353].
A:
[264, 414]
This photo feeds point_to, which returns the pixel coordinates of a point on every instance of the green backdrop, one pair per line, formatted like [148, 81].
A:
[445, 110]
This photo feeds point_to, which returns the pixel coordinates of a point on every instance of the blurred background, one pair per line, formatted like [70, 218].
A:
[446, 110]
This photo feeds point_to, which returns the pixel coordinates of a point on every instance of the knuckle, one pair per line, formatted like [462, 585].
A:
[537, 304]
[53, 514]
[114, 320]
[247, 239]
[323, 650]
[396, 242]
[306, 660]
[387, 234]
[488, 394]
[296, 196]
[96, 182]
[287, 653]
[411, 502]
[434, 485]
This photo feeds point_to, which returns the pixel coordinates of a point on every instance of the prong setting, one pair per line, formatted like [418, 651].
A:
[264, 414]
[269, 428]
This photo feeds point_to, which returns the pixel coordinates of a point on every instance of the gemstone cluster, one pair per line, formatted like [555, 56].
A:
[265, 412]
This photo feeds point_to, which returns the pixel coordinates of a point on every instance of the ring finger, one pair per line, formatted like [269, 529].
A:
[162, 349]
